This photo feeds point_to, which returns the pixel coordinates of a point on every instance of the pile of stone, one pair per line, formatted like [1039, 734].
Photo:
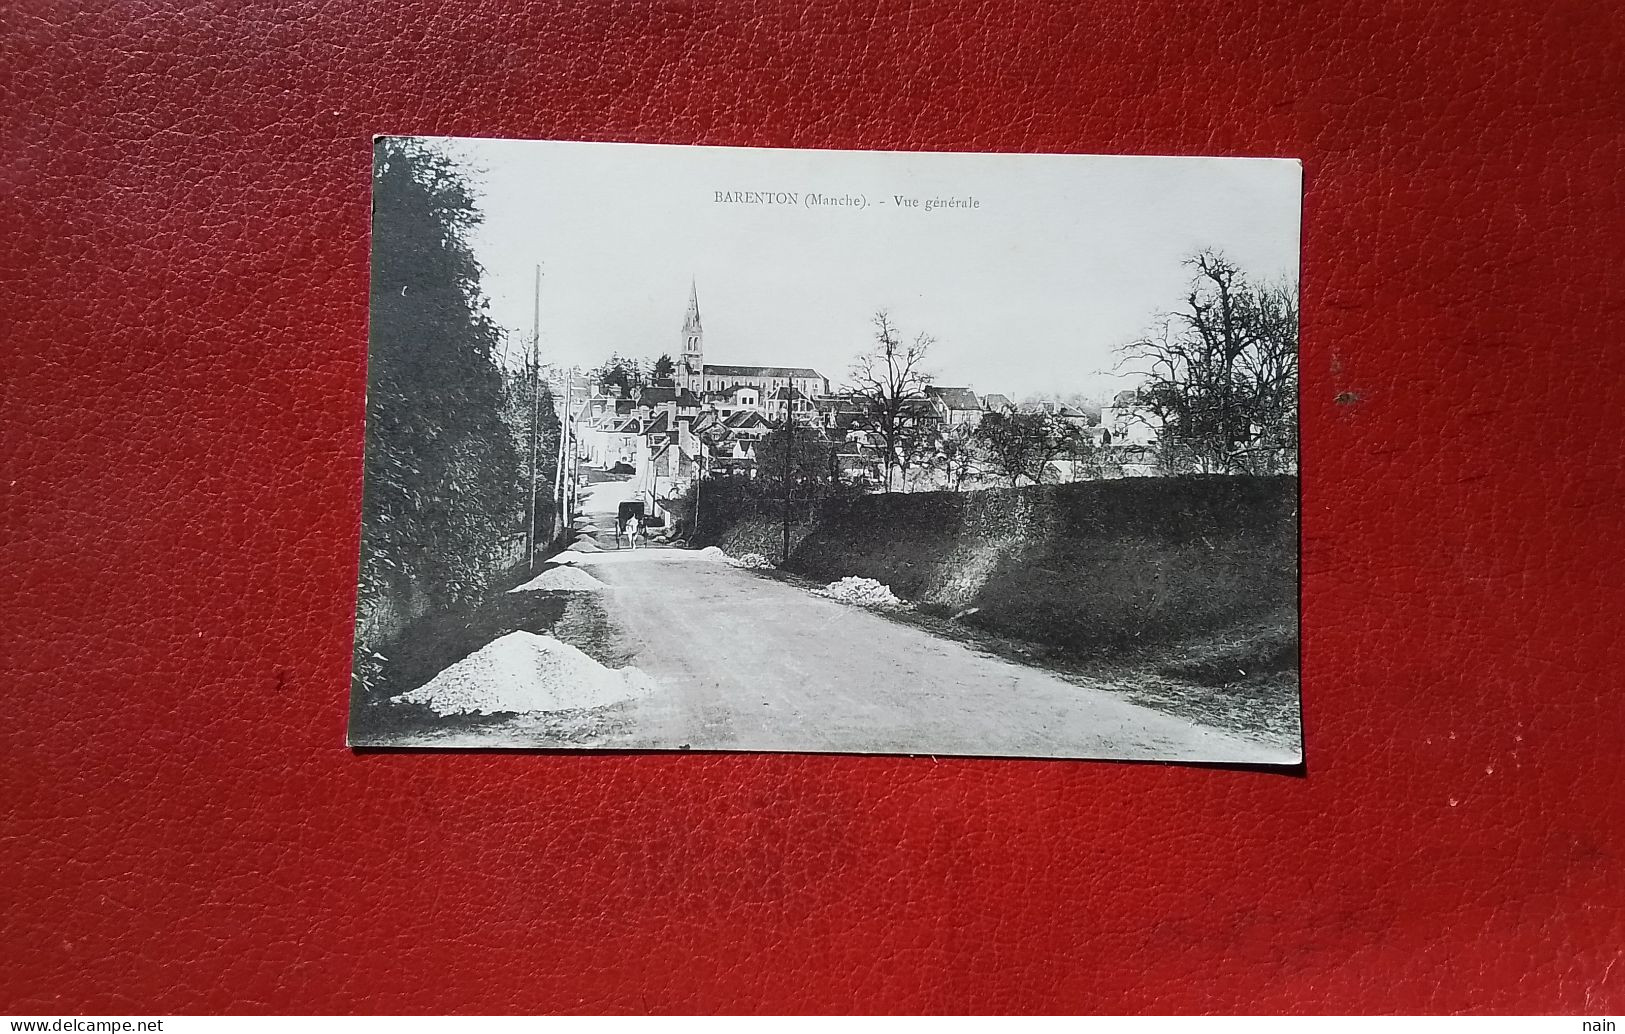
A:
[562, 579]
[525, 673]
[753, 561]
[862, 592]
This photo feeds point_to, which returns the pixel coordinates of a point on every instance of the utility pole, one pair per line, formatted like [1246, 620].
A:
[560, 470]
[789, 448]
[699, 483]
[535, 416]
[583, 409]
[567, 446]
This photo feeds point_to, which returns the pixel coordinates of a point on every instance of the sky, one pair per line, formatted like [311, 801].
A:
[1063, 259]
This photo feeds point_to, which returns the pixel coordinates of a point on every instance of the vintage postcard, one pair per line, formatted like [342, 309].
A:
[707, 448]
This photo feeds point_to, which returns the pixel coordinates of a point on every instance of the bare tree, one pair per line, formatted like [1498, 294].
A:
[1022, 445]
[958, 456]
[1222, 372]
[1271, 368]
[917, 446]
[1077, 448]
[888, 385]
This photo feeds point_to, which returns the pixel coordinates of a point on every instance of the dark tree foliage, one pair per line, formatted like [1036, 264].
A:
[1022, 445]
[623, 372]
[527, 403]
[804, 457]
[958, 456]
[1083, 458]
[442, 494]
[796, 471]
[664, 369]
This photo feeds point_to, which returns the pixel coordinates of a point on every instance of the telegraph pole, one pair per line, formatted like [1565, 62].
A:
[560, 531]
[575, 448]
[789, 447]
[535, 415]
[699, 485]
[567, 450]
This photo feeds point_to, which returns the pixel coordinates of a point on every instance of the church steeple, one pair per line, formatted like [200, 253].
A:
[691, 370]
[691, 322]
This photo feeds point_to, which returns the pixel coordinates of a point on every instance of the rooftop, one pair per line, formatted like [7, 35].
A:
[714, 370]
[660, 396]
[955, 398]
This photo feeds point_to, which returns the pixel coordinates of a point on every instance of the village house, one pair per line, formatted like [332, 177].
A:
[840, 416]
[785, 401]
[736, 398]
[1129, 421]
[678, 402]
[1074, 416]
[707, 420]
[727, 443]
[955, 406]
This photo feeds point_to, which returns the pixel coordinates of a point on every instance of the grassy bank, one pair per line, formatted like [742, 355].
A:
[1196, 576]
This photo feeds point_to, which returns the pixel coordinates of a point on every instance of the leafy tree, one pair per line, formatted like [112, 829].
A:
[442, 494]
[1021, 445]
[623, 372]
[664, 369]
[888, 385]
[520, 410]
[1222, 372]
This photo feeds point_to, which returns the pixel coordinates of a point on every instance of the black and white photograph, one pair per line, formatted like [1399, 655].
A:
[675, 448]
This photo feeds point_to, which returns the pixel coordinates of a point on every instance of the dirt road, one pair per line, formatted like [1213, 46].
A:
[745, 662]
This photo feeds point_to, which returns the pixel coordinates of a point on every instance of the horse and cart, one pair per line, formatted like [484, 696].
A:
[632, 521]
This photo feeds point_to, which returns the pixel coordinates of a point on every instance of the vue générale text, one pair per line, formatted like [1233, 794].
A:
[812, 199]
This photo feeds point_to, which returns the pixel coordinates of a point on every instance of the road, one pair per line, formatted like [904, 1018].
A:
[746, 662]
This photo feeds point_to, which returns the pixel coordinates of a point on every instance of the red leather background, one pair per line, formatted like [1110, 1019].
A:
[185, 199]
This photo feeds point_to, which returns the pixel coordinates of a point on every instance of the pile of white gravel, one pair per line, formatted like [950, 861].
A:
[750, 560]
[523, 672]
[864, 592]
[586, 546]
[562, 579]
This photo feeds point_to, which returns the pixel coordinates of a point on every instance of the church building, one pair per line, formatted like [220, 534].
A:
[719, 381]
